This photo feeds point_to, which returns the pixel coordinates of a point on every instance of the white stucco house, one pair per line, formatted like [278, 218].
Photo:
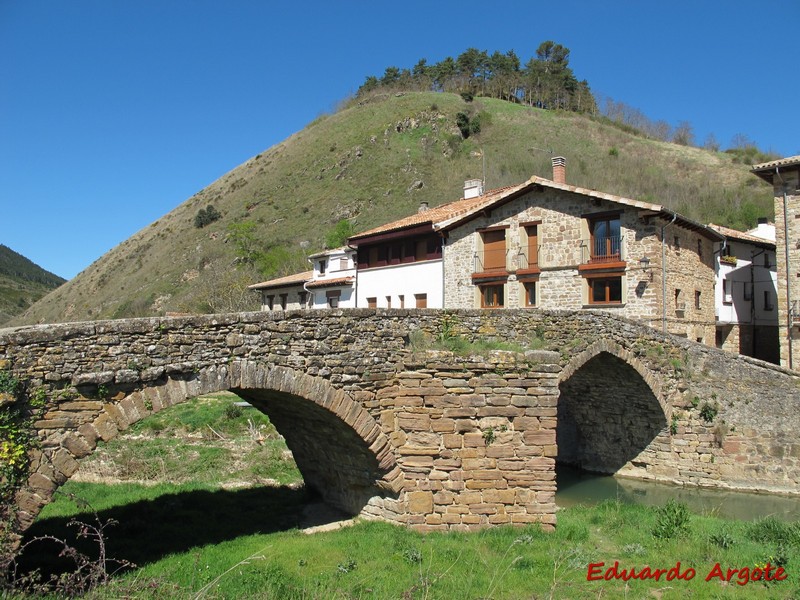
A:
[745, 292]
[329, 284]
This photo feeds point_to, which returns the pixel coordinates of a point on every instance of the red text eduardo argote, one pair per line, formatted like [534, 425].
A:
[741, 576]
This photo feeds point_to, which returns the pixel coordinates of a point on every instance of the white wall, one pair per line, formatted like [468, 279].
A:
[426, 277]
[319, 297]
[739, 278]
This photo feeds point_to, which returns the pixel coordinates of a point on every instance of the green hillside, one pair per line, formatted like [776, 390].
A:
[370, 163]
[21, 283]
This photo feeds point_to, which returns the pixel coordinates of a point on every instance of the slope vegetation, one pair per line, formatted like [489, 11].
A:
[21, 283]
[370, 163]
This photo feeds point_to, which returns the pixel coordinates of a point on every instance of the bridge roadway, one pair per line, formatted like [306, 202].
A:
[382, 427]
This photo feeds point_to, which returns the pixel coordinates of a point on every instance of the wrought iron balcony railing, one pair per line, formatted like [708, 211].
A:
[602, 249]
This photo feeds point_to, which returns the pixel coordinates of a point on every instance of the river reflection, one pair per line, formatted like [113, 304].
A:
[580, 487]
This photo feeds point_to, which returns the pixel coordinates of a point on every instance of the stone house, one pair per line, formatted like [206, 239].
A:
[784, 177]
[546, 244]
[745, 294]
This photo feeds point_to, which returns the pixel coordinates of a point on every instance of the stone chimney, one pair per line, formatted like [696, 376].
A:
[559, 169]
[473, 188]
[423, 206]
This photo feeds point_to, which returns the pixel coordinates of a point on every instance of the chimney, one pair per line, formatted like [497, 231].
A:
[423, 206]
[763, 220]
[473, 188]
[559, 169]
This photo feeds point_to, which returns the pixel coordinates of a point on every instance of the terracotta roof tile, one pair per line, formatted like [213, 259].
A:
[452, 213]
[741, 235]
[296, 279]
[783, 162]
[443, 212]
[321, 283]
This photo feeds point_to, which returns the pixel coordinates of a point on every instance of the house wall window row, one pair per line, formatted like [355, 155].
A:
[410, 250]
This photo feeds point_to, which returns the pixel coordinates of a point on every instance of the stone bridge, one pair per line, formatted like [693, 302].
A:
[383, 426]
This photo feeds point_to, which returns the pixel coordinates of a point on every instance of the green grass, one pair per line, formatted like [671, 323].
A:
[192, 535]
[231, 558]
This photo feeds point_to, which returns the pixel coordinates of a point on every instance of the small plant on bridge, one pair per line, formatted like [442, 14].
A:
[708, 412]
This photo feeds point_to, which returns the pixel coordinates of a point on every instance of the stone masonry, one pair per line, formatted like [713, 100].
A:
[563, 234]
[384, 428]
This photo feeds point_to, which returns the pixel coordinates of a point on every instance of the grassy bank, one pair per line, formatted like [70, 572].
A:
[194, 530]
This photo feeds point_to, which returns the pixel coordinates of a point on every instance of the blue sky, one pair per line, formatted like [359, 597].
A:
[114, 112]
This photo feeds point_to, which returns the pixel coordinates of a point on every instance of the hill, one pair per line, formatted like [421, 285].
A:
[372, 162]
[21, 283]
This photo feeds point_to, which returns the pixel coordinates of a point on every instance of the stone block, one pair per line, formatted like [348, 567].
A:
[413, 421]
[419, 503]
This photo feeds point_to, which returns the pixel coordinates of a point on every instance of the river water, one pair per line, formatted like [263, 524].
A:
[579, 487]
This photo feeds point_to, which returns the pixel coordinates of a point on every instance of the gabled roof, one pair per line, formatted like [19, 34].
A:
[742, 236]
[296, 279]
[441, 213]
[765, 170]
[452, 214]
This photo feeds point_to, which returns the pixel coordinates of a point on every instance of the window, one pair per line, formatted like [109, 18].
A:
[402, 299]
[284, 299]
[269, 301]
[767, 261]
[532, 254]
[679, 304]
[748, 291]
[697, 299]
[494, 250]
[372, 303]
[699, 248]
[403, 251]
[303, 299]
[491, 296]
[605, 290]
[530, 293]
[343, 263]
[322, 267]
[768, 300]
[388, 302]
[333, 298]
[677, 243]
[605, 239]
[421, 300]
[726, 292]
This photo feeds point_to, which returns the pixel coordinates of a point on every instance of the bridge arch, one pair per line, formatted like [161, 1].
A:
[612, 414]
[352, 466]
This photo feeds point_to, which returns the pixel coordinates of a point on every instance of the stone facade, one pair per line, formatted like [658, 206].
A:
[427, 439]
[562, 273]
[784, 176]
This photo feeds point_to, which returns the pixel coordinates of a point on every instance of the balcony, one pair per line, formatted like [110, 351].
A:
[488, 263]
[602, 250]
[528, 260]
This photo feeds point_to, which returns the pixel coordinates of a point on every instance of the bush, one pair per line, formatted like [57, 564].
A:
[233, 411]
[337, 236]
[206, 216]
[672, 520]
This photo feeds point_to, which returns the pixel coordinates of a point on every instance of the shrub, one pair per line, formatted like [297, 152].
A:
[206, 216]
[672, 520]
[233, 411]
